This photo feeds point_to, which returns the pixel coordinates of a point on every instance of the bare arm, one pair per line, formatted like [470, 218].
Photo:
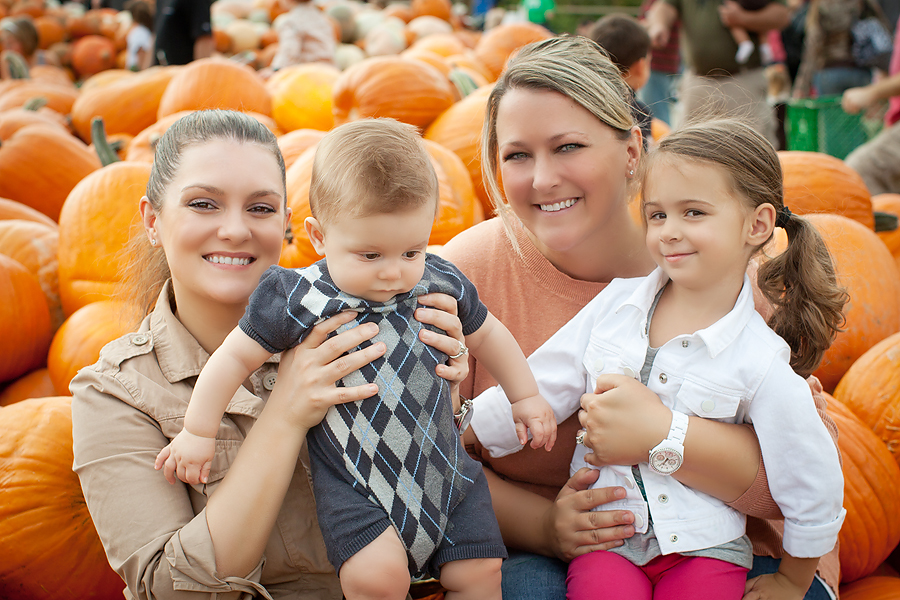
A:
[660, 19]
[204, 46]
[496, 348]
[772, 16]
[857, 99]
[791, 581]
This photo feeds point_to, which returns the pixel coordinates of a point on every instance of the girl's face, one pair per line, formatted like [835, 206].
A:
[222, 222]
[699, 230]
[565, 173]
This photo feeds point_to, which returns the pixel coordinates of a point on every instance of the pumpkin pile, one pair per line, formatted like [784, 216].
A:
[75, 159]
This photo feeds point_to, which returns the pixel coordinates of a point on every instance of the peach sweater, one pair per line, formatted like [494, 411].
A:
[534, 299]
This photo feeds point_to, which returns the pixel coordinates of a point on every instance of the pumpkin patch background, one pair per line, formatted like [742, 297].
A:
[76, 144]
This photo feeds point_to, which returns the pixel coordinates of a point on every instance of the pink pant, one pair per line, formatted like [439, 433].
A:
[608, 576]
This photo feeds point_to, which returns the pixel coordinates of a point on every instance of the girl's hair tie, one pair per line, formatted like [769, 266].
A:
[784, 216]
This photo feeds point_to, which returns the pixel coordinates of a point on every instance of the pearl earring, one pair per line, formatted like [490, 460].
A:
[152, 241]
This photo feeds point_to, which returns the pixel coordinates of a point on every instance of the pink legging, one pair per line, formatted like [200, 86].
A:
[608, 576]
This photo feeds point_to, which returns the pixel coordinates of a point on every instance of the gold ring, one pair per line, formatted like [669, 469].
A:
[462, 350]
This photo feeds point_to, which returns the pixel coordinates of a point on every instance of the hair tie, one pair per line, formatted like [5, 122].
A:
[784, 216]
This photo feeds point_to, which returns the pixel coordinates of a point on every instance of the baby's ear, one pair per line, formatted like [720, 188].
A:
[316, 234]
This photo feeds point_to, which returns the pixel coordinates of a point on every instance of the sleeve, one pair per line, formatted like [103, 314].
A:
[558, 367]
[152, 537]
[808, 486]
[472, 311]
[269, 318]
[290, 46]
[200, 18]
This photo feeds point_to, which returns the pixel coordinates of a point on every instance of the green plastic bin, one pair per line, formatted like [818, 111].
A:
[821, 125]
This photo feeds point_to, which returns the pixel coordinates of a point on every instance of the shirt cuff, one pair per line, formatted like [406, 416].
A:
[493, 424]
[811, 541]
[192, 563]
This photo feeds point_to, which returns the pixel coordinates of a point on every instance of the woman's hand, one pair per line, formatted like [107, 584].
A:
[624, 421]
[443, 315]
[573, 528]
[312, 368]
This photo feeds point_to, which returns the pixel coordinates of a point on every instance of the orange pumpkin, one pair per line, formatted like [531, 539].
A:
[24, 323]
[127, 105]
[34, 246]
[435, 8]
[497, 44]
[105, 78]
[871, 389]
[871, 529]
[443, 44]
[659, 129]
[888, 203]
[879, 587]
[78, 342]
[92, 54]
[36, 384]
[215, 83]
[107, 200]
[14, 119]
[468, 62]
[459, 129]
[59, 97]
[390, 86]
[50, 29]
[296, 142]
[39, 166]
[818, 183]
[457, 203]
[10, 209]
[866, 269]
[50, 547]
[302, 96]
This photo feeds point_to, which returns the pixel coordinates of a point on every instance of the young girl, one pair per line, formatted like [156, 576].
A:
[712, 195]
[394, 459]
[140, 38]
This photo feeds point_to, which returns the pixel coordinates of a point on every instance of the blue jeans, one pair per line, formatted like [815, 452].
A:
[533, 577]
[659, 94]
[836, 80]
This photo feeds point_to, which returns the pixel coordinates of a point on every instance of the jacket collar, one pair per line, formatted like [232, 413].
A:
[717, 336]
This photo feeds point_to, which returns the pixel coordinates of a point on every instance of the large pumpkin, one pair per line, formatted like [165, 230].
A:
[457, 204]
[24, 321]
[50, 549]
[10, 209]
[871, 529]
[215, 83]
[302, 96]
[889, 203]
[36, 384]
[127, 105]
[497, 44]
[296, 142]
[871, 389]
[390, 86]
[866, 268]
[874, 587]
[14, 119]
[818, 183]
[40, 164]
[78, 342]
[92, 54]
[459, 129]
[95, 225]
[435, 8]
[59, 97]
[35, 246]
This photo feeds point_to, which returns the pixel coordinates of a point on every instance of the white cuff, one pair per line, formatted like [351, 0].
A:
[493, 424]
[810, 541]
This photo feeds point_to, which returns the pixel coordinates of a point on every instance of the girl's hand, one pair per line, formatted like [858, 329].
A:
[443, 315]
[573, 528]
[624, 421]
[310, 370]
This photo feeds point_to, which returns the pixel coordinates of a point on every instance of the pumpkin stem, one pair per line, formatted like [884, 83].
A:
[35, 104]
[16, 65]
[464, 83]
[885, 221]
[98, 135]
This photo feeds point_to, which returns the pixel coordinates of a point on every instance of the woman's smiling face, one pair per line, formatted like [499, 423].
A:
[222, 221]
[564, 172]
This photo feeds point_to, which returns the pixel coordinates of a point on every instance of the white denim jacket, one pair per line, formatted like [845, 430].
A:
[735, 371]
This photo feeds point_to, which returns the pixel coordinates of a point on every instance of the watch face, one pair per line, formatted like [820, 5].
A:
[665, 461]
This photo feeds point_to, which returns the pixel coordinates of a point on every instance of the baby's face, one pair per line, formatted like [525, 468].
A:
[379, 256]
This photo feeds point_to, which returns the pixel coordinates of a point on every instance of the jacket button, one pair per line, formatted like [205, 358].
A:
[629, 483]
[685, 343]
[663, 378]
[638, 521]
[629, 372]
[708, 405]
[673, 538]
[140, 339]
[663, 498]
[598, 365]
[269, 381]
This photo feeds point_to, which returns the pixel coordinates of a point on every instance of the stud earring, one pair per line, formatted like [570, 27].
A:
[152, 241]
[631, 172]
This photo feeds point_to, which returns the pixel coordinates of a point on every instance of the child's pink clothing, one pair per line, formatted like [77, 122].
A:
[610, 576]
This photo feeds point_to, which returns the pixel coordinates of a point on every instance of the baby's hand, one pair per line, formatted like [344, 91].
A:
[534, 414]
[189, 456]
[774, 586]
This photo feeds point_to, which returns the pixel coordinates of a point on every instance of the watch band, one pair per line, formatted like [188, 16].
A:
[678, 429]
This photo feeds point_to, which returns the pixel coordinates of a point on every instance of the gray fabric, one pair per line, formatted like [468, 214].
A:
[399, 448]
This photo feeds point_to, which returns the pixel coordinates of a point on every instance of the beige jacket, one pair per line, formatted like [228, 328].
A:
[125, 409]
